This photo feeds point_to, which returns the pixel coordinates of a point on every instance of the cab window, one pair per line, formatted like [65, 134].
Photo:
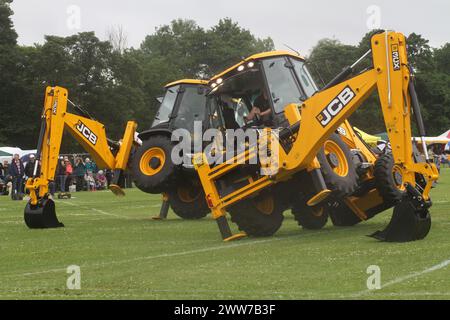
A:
[283, 88]
[167, 105]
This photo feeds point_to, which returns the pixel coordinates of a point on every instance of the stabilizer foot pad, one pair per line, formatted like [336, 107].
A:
[235, 237]
[318, 198]
[118, 191]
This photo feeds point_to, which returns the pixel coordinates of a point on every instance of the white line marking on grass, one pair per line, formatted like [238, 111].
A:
[11, 222]
[66, 202]
[416, 274]
[182, 253]
[109, 214]
[94, 209]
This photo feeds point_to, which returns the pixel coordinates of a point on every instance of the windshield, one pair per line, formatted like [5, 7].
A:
[283, 88]
[304, 77]
[166, 108]
[191, 109]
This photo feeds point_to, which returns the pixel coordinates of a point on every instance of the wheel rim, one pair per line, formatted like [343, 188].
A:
[265, 205]
[187, 195]
[152, 161]
[318, 212]
[332, 149]
[398, 177]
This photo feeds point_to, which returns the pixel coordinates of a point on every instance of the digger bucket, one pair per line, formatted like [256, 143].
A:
[410, 221]
[42, 216]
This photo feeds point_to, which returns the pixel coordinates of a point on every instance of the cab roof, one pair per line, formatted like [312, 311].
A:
[187, 81]
[255, 57]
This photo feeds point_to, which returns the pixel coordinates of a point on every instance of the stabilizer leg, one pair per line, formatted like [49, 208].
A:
[322, 192]
[164, 211]
[115, 184]
[225, 230]
[411, 220]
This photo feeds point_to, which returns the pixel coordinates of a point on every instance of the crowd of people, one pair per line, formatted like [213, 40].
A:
[73, 173]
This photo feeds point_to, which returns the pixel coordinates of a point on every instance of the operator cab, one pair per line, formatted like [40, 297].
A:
[182, 104]
[255, 92]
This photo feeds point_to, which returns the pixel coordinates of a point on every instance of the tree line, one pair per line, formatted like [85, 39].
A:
[116, 84]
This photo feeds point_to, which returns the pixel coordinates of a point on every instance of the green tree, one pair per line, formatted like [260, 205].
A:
[420, 54]
[7, 32]
[185, 50]
[177, 45]
[330, 56]
[9, 84]
[227, 43]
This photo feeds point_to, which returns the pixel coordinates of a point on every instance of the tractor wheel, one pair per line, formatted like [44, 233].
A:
[337, 167]
[342, 216]
[188, 202]
[258, 217]
[310, 218]
[153, 170]
[388, 179]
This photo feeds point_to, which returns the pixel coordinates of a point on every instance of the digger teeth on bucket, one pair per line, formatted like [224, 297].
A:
[42, 216]
[410, 221]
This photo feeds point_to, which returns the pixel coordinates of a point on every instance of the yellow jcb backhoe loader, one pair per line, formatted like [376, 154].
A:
[183, 104]
[309, 142]
[40, 210]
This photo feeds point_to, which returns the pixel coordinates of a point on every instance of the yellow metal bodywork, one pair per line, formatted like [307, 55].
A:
[392, 84]
[256, 57]
[187, 81]
[89, 133]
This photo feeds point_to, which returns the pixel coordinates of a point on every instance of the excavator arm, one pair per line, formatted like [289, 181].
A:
[315, 120]
[391, 76]
[40, 211]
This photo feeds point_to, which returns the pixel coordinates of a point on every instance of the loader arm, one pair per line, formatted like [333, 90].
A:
[312, 123]
[89, 133]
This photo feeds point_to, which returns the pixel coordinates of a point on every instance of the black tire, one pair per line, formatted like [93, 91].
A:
[254, 222]
[344, 183]
[188, 202]
[310, 218]
[342, 216]
[386, 182]
[152, 169]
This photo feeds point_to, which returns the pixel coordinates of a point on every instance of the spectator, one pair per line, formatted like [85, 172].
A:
[2, 174]
[90, 166]
[5, 169]
[68, 173]
[90, 181]
[29, 168]
[61, 173]
[16, 171]
[101, 180]
[80, 172]
[444, 161]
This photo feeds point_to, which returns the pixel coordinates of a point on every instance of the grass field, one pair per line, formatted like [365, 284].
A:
[123, 254]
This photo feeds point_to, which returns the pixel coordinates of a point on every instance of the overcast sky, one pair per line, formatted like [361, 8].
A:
[298, 23]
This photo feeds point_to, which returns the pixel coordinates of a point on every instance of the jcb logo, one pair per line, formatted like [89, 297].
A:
[395, 57]
[336, 106]
[87, 133]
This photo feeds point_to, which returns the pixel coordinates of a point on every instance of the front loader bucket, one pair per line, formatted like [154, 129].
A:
[410, 221]
[42, 216]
